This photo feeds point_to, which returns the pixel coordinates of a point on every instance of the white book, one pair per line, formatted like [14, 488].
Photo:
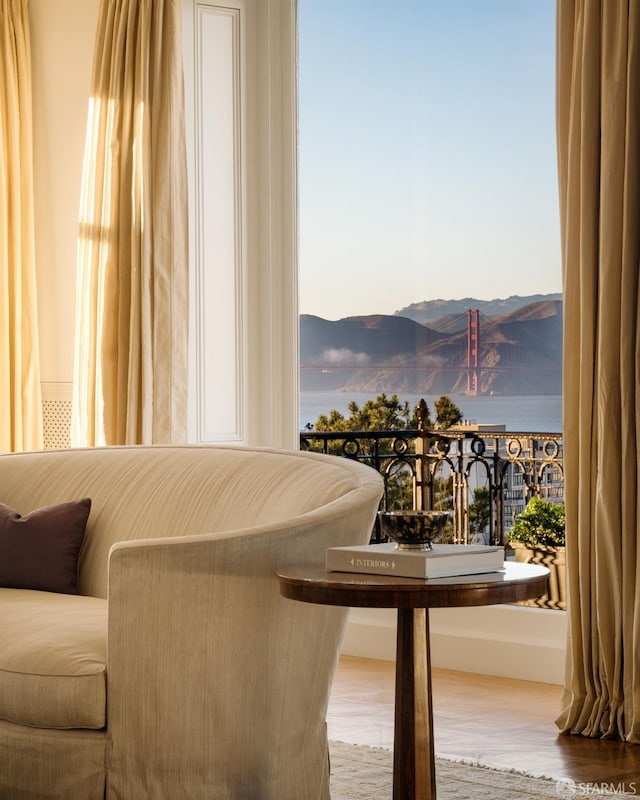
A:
[442, 561]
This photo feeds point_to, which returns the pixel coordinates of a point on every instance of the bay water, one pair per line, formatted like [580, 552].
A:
[530, 413]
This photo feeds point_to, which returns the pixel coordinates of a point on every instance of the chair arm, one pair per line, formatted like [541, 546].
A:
[209, 668]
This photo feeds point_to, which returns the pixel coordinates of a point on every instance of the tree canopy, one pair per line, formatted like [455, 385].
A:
[448, 413]
[388, 414]
[479, 510]
[382, 414]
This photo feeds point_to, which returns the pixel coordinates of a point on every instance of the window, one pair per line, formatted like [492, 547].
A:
[427, 173]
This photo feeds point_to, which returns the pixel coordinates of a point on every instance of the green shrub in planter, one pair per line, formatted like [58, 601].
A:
[541, 523]
[538, 537]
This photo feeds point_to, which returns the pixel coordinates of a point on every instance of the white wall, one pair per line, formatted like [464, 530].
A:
[62, 33]
[508, 641]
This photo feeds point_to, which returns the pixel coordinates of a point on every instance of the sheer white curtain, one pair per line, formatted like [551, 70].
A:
[599, 170]
[20, 399]
[130, 383]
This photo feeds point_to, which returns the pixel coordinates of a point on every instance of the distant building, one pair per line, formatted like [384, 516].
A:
[471, 426]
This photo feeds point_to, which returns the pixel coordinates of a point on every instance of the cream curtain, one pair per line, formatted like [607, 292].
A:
[599, 174]
[130, 382]
[20, 400]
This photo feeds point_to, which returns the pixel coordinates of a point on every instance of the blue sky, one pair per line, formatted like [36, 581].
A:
[427, 153]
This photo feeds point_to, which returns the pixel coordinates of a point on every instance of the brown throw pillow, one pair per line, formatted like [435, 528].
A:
[40, 550]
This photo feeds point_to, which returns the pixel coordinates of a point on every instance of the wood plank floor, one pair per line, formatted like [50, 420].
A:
[498, 721]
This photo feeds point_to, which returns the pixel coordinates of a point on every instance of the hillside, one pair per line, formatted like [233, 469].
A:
[356, 339]
[520, 353]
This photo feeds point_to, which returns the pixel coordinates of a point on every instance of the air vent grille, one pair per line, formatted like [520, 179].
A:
[56, 420]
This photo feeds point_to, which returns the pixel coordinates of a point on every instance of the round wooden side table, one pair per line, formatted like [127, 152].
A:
[413, 748]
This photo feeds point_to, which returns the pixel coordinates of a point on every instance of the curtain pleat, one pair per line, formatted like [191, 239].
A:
[20, 393]
[598, 115]
[130, 382]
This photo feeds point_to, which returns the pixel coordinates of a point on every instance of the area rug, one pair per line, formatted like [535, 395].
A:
[365, 773]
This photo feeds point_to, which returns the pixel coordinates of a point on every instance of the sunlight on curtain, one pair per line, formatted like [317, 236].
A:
[130, 381]
[20, 399]
[599, 172]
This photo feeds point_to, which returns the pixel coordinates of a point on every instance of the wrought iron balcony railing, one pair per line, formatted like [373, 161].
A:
[484, 479]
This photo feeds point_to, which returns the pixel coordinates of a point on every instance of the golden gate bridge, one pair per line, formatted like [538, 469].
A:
[471, 320]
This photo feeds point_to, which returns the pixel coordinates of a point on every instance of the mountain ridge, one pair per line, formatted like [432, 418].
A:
[426, 311]
[520, 352]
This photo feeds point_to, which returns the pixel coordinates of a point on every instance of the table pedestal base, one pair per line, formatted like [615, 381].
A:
[414, 776]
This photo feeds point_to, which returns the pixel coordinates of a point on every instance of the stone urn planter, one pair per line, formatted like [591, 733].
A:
[538, 537]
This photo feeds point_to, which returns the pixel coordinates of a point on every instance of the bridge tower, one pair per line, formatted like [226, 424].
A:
[473, 350]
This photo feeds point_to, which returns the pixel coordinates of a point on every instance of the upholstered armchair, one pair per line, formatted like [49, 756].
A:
[177, 670]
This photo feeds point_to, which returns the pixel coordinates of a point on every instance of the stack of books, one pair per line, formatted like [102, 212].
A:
[442, 561]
